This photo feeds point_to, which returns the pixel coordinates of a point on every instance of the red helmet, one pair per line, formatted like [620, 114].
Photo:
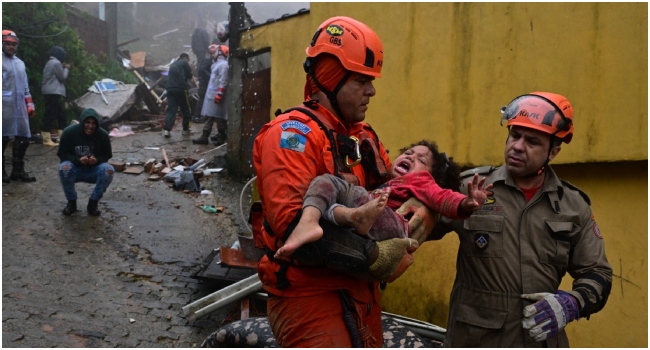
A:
[10, 36]
[356, 45]
[223, 49]
[544, 111]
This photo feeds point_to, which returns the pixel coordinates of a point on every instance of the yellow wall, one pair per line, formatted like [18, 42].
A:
[449, 67]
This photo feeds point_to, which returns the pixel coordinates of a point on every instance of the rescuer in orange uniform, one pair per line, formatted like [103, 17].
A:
[316, 306]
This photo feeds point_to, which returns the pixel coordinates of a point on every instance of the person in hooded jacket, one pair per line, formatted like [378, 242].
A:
[214, 103]
[17, 109]
[55, 74]
[84, 151]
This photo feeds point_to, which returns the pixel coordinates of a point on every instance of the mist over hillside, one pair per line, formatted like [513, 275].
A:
[165, 28]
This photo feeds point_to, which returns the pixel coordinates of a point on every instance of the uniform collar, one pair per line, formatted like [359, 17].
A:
[552, 185]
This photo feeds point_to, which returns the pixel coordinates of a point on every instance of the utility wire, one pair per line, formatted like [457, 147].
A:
[43, 36]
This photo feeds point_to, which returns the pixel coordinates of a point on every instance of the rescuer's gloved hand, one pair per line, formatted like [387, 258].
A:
[31, 110]
[393, 259]
[422, 221]
[550, 314]
[219, 96]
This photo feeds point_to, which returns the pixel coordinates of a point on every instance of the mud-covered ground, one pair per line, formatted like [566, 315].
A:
[120, 279]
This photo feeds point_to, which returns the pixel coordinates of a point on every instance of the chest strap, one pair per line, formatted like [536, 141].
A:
[349, 151]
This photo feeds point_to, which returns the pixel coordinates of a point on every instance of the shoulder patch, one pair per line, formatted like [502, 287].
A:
[480, 170]
[575, 188]
[294, 124]
[297, 115]
[293, 141]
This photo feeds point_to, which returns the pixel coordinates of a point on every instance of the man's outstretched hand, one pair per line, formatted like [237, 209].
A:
[422, 221]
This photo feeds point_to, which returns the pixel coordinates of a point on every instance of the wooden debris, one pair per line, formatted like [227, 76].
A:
[149, 165]
[165, 158]
[137, 59]
[133, 170]
[118, 166]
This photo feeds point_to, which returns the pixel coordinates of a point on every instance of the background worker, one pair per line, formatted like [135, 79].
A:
[55, 74]
[306, 305]
[533, 229]
[214, 104]
[177, 85]
[84, 151]
[200, 42]
[17, 108]
[204, 71]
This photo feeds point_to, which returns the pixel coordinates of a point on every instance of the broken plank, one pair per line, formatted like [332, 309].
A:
[133, 170]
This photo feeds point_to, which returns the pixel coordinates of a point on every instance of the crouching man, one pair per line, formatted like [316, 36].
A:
[84, 150]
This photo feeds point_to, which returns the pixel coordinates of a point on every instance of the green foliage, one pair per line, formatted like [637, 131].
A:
[41, 25]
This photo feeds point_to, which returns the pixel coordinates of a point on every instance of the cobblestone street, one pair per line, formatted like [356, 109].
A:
[120, 279]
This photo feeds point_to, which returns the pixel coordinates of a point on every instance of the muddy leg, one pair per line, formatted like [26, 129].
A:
[363, 217]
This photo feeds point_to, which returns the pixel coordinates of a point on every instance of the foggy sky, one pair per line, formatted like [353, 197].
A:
[259, 11]
[263, 11]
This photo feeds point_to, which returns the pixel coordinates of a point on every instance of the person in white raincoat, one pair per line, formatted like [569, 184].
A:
[214, 104]
[17, 108]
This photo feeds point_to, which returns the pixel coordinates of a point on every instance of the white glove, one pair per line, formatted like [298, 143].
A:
[550, 314]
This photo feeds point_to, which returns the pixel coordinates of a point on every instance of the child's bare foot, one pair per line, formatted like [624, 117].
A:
[305, 232]
[362, 218]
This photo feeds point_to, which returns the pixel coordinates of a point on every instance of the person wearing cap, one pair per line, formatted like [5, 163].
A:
[532, 231]
[178, 78]
[17, 109]
[215, 107]
[323, 295]
[84, 151]
[55, 74]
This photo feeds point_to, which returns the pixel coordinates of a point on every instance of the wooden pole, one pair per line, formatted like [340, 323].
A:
[142, 80]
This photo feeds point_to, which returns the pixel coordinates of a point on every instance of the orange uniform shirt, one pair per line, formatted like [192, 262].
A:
[287, 154]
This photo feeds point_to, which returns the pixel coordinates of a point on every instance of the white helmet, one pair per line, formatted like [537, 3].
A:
[222, 31]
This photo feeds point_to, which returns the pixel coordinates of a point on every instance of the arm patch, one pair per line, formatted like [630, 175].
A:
[296, 125]
[293, 141]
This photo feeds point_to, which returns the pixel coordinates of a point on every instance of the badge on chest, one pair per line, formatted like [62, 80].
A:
[482, 240]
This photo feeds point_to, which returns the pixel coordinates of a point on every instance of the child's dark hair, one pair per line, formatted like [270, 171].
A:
[445, 171]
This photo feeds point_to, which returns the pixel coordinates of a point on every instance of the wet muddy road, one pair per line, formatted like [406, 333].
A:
[120, 279]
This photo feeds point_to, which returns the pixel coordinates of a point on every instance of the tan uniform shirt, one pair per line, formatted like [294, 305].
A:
[511, 247]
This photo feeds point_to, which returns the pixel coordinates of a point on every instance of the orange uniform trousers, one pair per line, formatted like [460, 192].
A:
[323, 325]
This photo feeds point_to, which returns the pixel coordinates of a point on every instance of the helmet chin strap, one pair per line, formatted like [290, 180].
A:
[331, 95]
[543, 168]
[538, 172]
